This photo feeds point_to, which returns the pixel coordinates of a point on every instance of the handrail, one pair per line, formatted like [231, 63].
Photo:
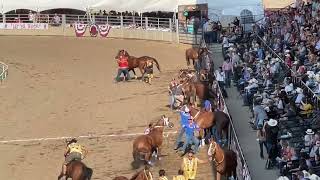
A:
[292, 73]
[4, 72]
[226, 111]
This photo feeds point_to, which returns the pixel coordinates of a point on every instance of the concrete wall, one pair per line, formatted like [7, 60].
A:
[114, 33]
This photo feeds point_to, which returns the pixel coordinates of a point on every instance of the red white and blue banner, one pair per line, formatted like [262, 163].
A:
[80, 29]
[103, 30]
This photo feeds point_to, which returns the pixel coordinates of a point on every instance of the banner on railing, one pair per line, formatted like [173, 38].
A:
[30, 26]
[103, 30]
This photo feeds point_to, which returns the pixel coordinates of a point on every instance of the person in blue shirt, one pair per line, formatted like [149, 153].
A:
[207, 106]
[190, 130]
[184, 116]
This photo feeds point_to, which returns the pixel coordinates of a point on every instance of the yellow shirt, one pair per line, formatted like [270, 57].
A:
[180, 177]
[190, 167]
[163, 178]
[306, 109]
[74, 147]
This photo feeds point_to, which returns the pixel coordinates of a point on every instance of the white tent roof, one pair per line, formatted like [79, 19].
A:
[117, 5]
[228, 7]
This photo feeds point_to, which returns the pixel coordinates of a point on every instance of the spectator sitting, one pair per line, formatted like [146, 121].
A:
[306, 108]
[309, 138]
[299, 97]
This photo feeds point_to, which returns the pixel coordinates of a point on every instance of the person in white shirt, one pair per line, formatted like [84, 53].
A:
[288, 88]
[225, 44]
[220, 77]
[253, 83]
[299, 97]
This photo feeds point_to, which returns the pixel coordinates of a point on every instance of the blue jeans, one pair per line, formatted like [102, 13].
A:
[125, 73]
[180, 135]
[191, 140]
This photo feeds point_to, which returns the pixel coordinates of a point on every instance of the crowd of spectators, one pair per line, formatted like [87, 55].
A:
[277, 72]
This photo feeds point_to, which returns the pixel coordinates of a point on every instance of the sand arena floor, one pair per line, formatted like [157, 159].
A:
[61, 86]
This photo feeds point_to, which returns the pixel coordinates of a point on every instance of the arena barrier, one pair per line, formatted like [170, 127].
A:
[128, 27]
[233, 142]
[3, 71]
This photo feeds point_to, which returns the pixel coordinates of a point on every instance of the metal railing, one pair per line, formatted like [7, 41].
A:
[4, 71]
[233, 141]
[296, 79]
[234, 144]
[137, 22]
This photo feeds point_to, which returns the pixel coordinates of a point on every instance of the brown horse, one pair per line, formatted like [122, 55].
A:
[225, 160]
[194, 54]
[145, 145]
[139, 62]
[144, 174]
[216, 123]
[77, 170]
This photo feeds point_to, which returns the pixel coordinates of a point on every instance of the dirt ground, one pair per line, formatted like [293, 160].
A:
[61, 86]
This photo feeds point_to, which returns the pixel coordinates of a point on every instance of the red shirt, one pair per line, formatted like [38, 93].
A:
[123, 62]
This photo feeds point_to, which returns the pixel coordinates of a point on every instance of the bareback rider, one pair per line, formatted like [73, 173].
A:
[123, 67]
[74, 152]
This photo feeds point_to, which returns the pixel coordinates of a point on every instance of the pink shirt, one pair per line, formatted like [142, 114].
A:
[227, 66]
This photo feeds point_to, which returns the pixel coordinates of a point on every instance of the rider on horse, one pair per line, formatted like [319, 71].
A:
[148, 130]
[123, 67]
[74, 152]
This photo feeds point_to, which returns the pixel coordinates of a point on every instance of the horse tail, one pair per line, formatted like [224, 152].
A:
[89, 173]
[157, 64]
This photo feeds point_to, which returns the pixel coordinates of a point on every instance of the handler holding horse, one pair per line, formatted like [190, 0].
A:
[123, 67]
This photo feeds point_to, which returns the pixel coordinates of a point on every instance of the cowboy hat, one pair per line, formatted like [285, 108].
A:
[283, 178]
[309, 132]
[299, 90]
[272, 122]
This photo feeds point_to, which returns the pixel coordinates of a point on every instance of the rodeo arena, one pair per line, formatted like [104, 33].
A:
[160, 89]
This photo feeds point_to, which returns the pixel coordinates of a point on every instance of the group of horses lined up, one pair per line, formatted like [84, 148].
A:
[214, 123]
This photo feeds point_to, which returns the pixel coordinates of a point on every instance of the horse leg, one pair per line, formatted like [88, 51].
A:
[134, 72]
[147, 157]
[218, 135]
[218, 176]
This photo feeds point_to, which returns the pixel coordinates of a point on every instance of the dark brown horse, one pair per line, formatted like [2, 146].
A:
[194, 54]
[139, 62]
[225, 160]
[145, 145]
[144, 174]
[77, 170]
[214, 123]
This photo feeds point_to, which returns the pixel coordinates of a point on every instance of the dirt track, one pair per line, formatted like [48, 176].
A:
[64, 87]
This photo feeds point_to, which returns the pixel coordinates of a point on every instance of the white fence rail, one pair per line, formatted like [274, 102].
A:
[3, 71]
[138, 22]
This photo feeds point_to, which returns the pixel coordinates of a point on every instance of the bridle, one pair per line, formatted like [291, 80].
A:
[213, 152]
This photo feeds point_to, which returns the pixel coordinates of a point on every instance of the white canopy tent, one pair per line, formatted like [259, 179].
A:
[108, 5]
